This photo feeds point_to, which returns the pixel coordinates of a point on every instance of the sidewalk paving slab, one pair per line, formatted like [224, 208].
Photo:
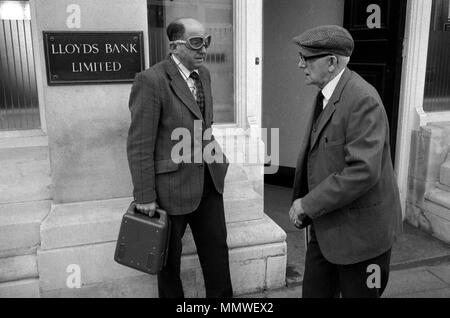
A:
[421, 282]
[412, 281]
[441, 271]
[436, 293]
[413, 249]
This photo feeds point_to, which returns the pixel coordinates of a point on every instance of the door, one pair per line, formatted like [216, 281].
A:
[377, 27]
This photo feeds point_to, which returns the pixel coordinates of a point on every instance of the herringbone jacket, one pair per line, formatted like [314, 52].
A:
[160, 103]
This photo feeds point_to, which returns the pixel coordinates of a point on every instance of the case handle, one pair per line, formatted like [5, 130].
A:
[160, 213]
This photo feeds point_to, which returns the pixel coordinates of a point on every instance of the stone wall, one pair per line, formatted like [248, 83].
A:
[63, 195]
[25, 193]
[428, 199]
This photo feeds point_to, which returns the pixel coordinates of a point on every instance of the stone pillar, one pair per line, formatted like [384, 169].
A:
[412, 87]
[91, 184]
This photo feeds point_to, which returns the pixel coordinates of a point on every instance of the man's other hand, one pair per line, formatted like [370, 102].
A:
[147, 209]
[298, 216]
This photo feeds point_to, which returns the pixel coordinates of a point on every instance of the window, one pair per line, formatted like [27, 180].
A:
[19, 107]
[217, 16]
[437, 85]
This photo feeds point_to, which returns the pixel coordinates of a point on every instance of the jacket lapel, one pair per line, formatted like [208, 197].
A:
[331, 107]
[208, 96]
[180, 87]
[302, 156]
[304, 147]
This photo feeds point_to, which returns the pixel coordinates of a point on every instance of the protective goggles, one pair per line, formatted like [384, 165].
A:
[195, 42]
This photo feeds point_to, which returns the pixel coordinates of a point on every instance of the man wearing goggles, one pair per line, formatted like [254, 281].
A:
[195, 42]
[189, 47]
[176, 93]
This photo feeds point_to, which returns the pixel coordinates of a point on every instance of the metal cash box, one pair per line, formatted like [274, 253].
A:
[143, 242]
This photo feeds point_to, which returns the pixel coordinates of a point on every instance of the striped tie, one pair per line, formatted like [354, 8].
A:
[199, 92]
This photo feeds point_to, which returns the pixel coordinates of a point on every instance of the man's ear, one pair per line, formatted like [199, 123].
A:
[333, 63]
[172, 48]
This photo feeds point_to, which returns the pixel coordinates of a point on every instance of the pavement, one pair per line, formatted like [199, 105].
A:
[420, 264]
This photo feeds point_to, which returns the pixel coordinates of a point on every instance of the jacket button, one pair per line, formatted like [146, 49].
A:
[314, 130]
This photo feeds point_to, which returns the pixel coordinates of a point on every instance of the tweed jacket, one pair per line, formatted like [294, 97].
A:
[350, 190]
[161, 104]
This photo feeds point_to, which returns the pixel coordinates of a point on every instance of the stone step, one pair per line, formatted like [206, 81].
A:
[440, 197]
[445, 174]
[257, 261]
[18, 268]
[20, 226]
[242, 234]
[91, 222]
[443, 187]
[434, 217]
[82, 223]
[252, 269]
[28, 288]
[24, 169]
[142, 286]
[94, 222]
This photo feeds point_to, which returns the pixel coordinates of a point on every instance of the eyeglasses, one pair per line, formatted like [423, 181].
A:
[195, 42]
[304, 59]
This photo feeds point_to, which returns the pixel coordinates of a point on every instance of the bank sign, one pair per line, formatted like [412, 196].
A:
[93, 57]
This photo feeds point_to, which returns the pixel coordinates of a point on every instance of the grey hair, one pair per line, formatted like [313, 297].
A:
[344, 60]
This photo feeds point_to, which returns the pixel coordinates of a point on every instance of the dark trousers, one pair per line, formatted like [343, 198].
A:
[210, 235]
[323, 279]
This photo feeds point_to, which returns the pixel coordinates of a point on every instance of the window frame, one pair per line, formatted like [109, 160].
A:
[247, 21]
[42, 131]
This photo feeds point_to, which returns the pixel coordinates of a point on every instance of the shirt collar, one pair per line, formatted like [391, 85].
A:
[328, 90]
[183, 70]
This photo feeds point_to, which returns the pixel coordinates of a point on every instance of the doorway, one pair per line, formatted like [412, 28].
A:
[378, 28]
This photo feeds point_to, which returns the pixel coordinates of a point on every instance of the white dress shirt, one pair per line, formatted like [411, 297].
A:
[328, 90]
[185, 73]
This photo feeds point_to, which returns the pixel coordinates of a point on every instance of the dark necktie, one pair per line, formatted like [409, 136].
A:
[317, 111]
[319, 107]
[200, 92]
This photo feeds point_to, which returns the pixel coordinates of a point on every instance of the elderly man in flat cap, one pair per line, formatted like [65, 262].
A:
[345, 187]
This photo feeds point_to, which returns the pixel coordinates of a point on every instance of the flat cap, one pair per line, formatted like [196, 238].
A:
[325, 39]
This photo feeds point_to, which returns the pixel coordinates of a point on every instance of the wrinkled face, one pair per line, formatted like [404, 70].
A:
[191, 58]
[317, 69]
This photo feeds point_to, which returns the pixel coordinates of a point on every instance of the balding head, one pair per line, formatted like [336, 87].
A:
[182, 34]
[183, 27]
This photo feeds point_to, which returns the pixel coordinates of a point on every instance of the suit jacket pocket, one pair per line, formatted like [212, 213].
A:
[334, 155]
[165, 166]
[356, 212]
[336, 142]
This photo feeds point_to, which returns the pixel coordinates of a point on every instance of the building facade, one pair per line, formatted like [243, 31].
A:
[64, 179]
[65, 182]
[399, 48]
